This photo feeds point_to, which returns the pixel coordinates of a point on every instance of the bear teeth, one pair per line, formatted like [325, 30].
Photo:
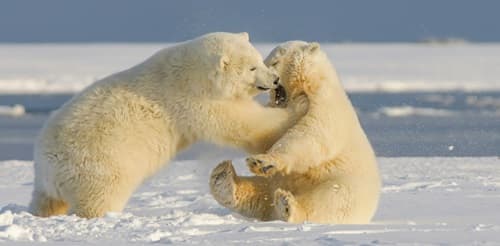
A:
[280, 96]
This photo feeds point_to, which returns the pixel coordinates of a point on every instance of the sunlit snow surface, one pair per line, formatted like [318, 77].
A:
[424, 200]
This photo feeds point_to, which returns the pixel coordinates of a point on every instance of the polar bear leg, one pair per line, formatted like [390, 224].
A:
[98, 205]
[44, 206]
[92, 197]
[249, 196]
[330, 202]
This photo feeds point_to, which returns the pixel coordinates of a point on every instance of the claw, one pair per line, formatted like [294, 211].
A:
[219, 176]
[262, 165]
[254, 162]
[266, 168]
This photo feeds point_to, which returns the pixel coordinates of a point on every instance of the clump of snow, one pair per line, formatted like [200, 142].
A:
[16, 233]
[16, 110]
[403, 111]
[158, 235]
[6, 218]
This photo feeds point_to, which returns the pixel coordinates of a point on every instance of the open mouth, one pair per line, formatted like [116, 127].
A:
[262, 88]
[280, 96]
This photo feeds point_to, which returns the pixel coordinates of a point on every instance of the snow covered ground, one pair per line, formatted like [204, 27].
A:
[425, 200]
[416, 100]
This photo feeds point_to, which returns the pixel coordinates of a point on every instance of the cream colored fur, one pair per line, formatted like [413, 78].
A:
[93, 152]
[323, 169]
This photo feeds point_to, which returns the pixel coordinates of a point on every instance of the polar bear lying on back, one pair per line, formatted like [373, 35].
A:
[323, 169]
[94, 151]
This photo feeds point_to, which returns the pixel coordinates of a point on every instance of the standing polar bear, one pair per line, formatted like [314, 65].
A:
[323, 169]
[94, 151]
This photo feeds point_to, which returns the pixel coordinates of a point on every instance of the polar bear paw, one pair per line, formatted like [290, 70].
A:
[263, 165]
[285, 205]
[223, 184]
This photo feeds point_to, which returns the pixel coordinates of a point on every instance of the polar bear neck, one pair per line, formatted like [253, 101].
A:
[169, 72]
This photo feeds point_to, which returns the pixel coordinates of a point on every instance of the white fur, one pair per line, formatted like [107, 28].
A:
[323, 169]
[94, 151]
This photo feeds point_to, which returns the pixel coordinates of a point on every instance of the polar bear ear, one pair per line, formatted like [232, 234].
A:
[312, 47]
[280, 50]
[222, 62]
[244, 35]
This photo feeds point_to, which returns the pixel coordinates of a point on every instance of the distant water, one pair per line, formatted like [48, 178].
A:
[402, 124]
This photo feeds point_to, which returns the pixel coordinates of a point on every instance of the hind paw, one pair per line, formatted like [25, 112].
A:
[284, 204]
[223, 185]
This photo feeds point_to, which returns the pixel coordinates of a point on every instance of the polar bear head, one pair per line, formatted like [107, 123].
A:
[227, 66]
[300, 66]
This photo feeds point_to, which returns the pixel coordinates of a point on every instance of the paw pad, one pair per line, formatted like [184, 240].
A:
[260, 167]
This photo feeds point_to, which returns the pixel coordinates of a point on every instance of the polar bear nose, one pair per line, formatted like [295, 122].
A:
[276, 82]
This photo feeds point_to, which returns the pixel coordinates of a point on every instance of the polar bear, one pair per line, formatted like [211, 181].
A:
[321, 170]
[94, 151]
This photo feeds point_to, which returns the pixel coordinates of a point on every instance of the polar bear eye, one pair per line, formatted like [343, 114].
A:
[253, 69]
[274, 64]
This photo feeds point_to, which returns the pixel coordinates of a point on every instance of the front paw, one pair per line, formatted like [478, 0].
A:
[263, 165]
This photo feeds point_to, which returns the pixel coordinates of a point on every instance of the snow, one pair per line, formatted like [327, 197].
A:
[395, 68]
[16, 110]
[404, 111]
[424, 201]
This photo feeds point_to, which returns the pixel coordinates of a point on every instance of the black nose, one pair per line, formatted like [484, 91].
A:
[276, 81]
